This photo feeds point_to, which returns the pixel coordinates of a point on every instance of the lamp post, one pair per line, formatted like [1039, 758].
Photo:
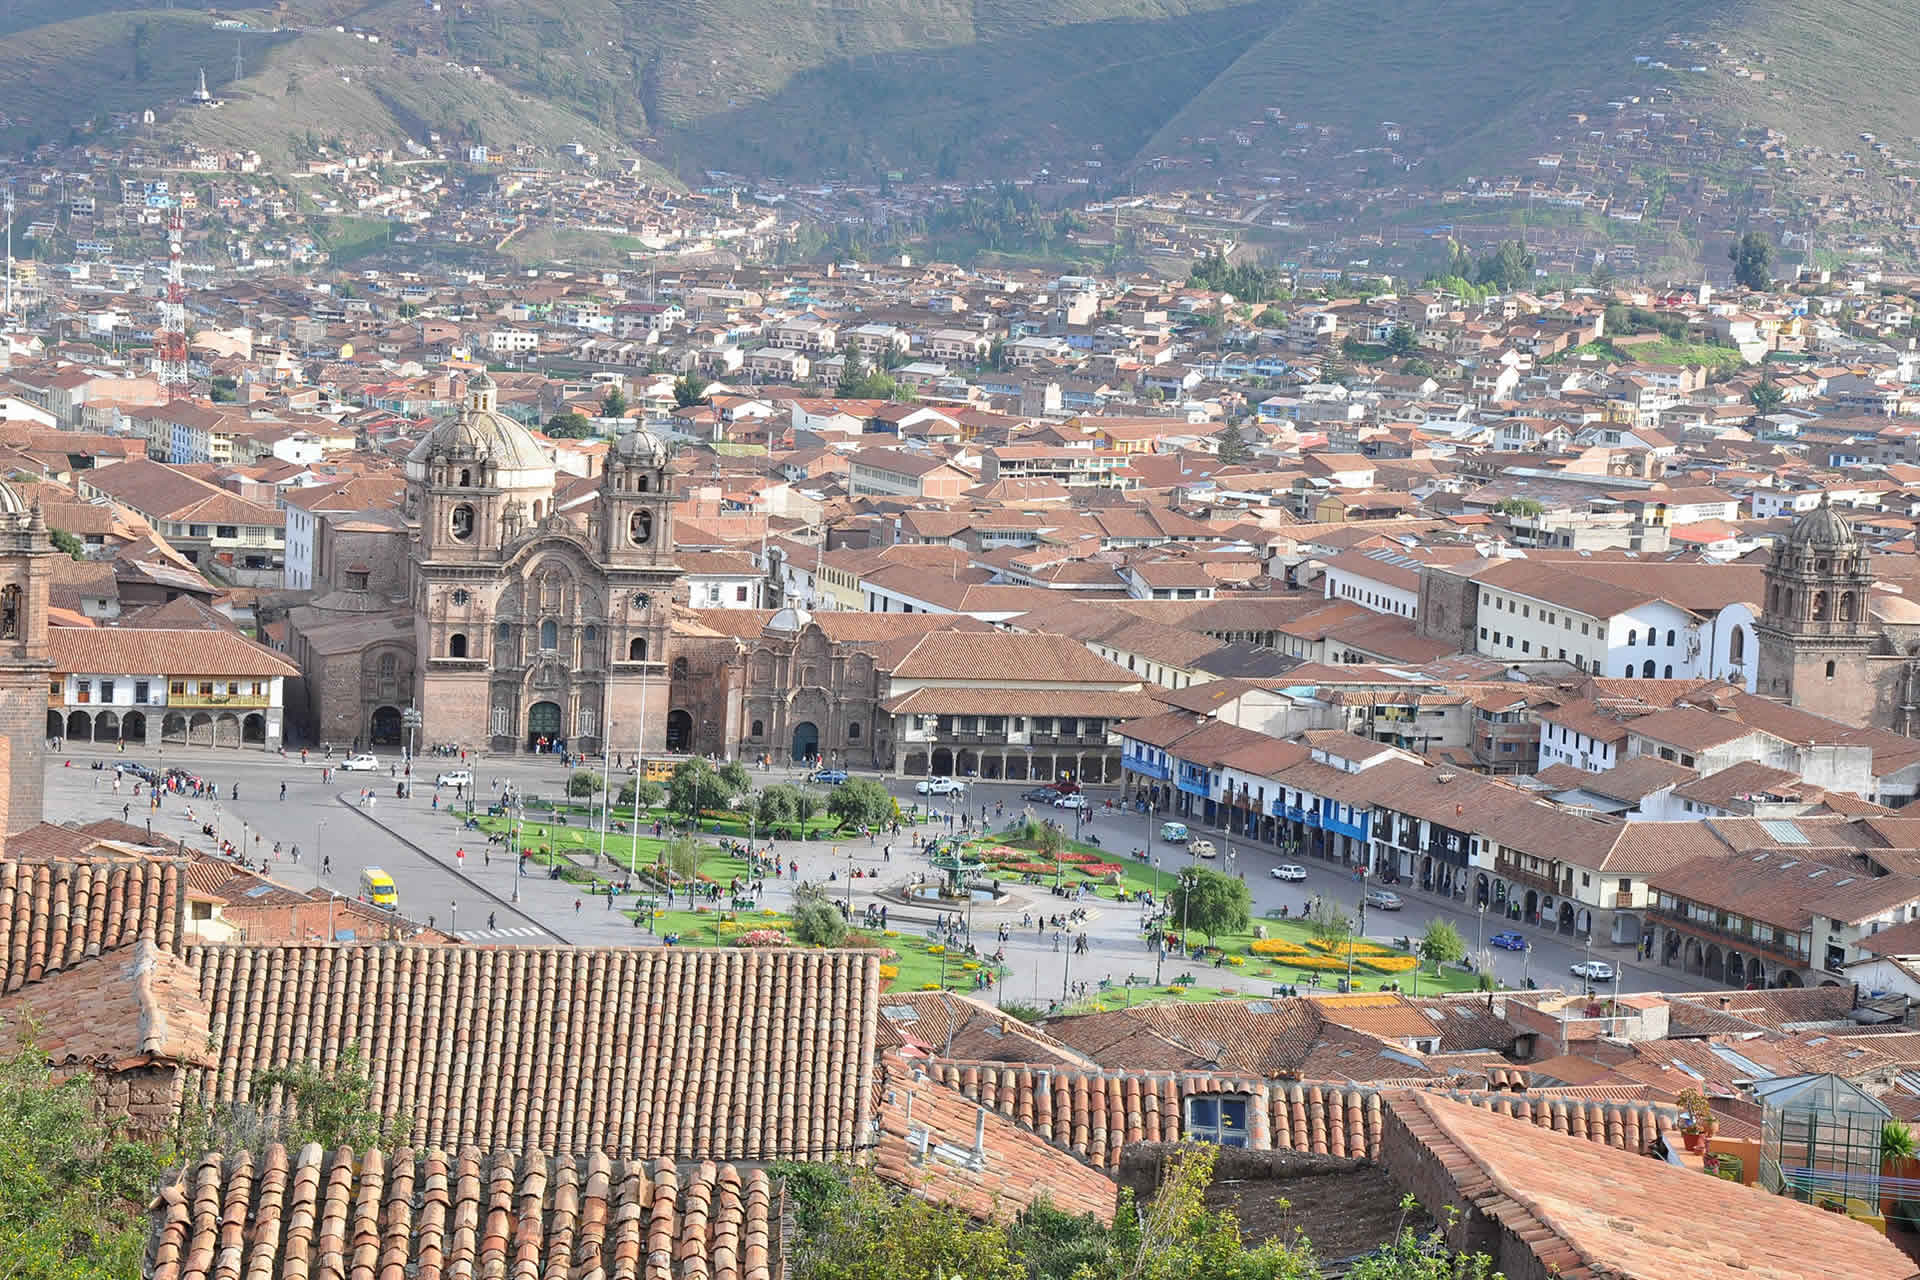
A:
[411, 719]
[319, 834]
[453, 919]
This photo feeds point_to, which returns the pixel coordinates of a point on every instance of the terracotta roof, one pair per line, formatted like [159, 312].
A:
[317, 1213]
[674, 1052]
[136, 1003]
[56, 914]
[940, 1144]
[1096, 1114]
[132, 651]
[1018, 658]
[1582, 1209]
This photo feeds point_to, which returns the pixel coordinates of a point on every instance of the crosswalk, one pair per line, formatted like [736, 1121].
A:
[496, 935]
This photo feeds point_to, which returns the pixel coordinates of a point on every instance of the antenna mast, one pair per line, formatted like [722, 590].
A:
[9, 212]
[170, 342]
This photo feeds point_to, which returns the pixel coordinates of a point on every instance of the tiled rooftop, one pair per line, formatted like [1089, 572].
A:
[433, 1215]
[682, 1053]
[57, 913]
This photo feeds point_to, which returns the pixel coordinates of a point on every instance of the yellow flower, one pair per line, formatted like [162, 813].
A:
[889, 970]
[971, 964]
[937, 949]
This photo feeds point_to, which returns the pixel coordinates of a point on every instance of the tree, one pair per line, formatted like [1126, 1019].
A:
[695, 786]
[1767, 397]
[1049, 841]
[1402, 341]
[1428, 1257]
[819, 924]
[1329, 922]
[1508, 267]
[689, 389]
[569, 426]
[331, 1107]
[773, 806]
[68, 543]
[1752, 259]
[1527, 507]
[806, 805]
[1211, 902]
[583, 782]
[852, 373]
[1177, 1237]
[681, 856]
[853, 1227]
[614, 403]
[1229, 445]
[73, 1190]
[647, 789]
[1442, 944]
[737, 781]
[860, 802]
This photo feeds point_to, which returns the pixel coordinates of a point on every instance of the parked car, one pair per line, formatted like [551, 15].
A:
[362, 763]
[1288, 871]
[1382, 900]
[940, 787]
[455, 778]
[829, 777]
[1043, 795]
[1200, 848]
[1174, 832]
[1072, 802]
[1508, 942]
[1592, 971]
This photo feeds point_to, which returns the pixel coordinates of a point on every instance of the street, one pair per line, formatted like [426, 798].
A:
[482, 900]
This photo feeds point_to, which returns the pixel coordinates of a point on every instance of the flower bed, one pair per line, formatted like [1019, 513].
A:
[1386, 964]
[1031, 868]
[1323, 963]
[763, 938]
[1276, 947]
[889, 971]
[1357, 949]
[1103, 868]
[1076, 858]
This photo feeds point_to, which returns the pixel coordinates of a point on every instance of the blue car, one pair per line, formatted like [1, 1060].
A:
[1508, 942]
[830, 777]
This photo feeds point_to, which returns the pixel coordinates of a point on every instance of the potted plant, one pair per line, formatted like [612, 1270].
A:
[1696, 1118]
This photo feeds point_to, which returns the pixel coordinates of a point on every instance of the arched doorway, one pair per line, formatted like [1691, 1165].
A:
[543, 721]
[1670, 954]
[1711, 962]
[55, 725]
[1736, 970]
[79, 727]
[679, 731]
[967, 763]
[942, 762]
[1532, 907]
[226, 730]
[1566, 918]
[1696, 958]
[385, 729]
[173, 728]
[1481, 886]
[1787, 978]
[106, 727]
[200, 730]
[806, 740]
[134, 726]
[254, 728]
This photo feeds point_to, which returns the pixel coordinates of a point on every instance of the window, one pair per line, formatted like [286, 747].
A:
[1221, 1118]
[178, 686]
[460, 522]
[589, 640]
[1646, 669]
[225, 531]
[457, 645]
[549, 635]
[1667, 672]
[1829, 668]
[1633, 638]
[759, 729]
[637, 649]
[141, 688]
[206, 688]
[233, 688]
[740, 594]
[853, 732]
[640, 528]
[259, 688]
[1483, 633]
[106, 691]
[1670, 635]
[503, 631]
[196, 531]
[83, 691]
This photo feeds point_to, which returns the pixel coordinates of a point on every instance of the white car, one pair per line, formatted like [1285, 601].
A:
[940, 787]
[1593, 971]
[1075, 801]
[455, 778]
[359, 764]
[1289, 871]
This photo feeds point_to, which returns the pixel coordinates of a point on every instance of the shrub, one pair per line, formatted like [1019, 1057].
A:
[819, 924]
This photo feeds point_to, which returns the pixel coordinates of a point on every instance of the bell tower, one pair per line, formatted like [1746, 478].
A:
[1815, 632]
[26, 663]
[634, 542]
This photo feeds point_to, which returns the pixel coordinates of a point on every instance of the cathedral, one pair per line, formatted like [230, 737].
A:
[1836, 635]
[522, 624]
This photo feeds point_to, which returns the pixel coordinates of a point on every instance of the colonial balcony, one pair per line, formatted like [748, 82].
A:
[223, 701]
[1780, 947]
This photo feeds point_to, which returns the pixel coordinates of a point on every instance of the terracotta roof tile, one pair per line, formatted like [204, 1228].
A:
[57, 913]
[675, 1052]
[314, 1213]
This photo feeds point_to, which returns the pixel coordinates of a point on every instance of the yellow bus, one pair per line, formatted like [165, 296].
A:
[660, 770]
[377, 887]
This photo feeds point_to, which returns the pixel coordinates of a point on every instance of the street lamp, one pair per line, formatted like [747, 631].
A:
[411, 719]
[453, 919]
[319, 834]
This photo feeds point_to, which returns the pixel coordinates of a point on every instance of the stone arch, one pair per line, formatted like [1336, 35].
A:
[133, 726]
[1670, 950]
[1737, 646]
[1696, 958]
[200, 730]
[456, 645]
[1736, 969]
[1713, 962]
[106, 727]
[1565, 922]
[637, 649]
[226, 730]
[1821, 606]
[1785, 977]
[942, 762]
[1846, 606]
[679, 730]
[253, 729]
[56, 727]
[173, 727]
[79, 727]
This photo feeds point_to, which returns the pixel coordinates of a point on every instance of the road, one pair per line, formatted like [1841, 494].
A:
[484, 901]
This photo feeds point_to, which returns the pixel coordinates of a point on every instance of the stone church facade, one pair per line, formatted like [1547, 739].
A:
[519, 623]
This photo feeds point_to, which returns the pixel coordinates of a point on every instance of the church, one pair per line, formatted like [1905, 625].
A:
[521, 624]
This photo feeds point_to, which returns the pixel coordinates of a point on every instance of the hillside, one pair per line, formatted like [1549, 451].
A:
[974, 87]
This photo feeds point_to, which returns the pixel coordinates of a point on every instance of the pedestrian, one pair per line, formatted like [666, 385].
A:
[283, 791]
[489, 921]
[576, 906]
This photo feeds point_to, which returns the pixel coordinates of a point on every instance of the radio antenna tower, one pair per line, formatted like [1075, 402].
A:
[170, 341]
[9, 213]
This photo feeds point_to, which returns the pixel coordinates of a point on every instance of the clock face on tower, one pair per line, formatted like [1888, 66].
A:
[641, 600]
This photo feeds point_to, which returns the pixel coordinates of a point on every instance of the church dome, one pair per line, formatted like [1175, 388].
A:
[1823, 529]
[643, 447]
[11, 503]
[479, 432]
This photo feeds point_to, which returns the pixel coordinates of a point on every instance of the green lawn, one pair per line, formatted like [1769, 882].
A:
[1262, 972]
